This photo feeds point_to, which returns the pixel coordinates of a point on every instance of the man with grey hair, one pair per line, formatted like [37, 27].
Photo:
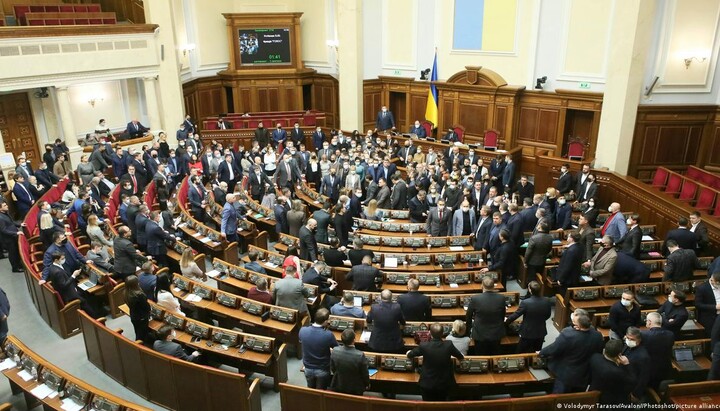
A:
[659, 344]
[602, 265]
[347, 308]
[387, 320]
[415, 306]
[229, 219]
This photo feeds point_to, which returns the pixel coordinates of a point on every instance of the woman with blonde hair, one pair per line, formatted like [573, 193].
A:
[458, 338]
[95, 233]
[47, 229]
[371, 212]
[188, 266]
[85, 170]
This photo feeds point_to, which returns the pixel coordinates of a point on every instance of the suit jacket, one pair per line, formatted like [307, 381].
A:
[587, 192]
[350, 370]
[63, 283]
[297, 136]
[535, 311]
[386, 173]
[364, 277]
[562, 217]
[539, 246]
[457, 222]
[308, 244]
[330, 186]
[279, 135]
[141, 221]
[630, 242]
[437, 227]
[383, 197]
[514, 225]
[417, 208]
[569, 355]
[564, 183]
[281, 223]
[437, 372]
[256, 184]
[323, 221]
[318, 139]
[398, 196]
[289, 292]
[529, 221]
[505, 258]
[262, 135]
[492, 242]
[659, 345]
[282, 178]
[171, 348]
[617, 227]
[24, 199]
[602, 269]
[615, 382]
[685, 238]
[224, 172]
[482, 232]
[680, 265]
[126, 256]
[229, 219]
[156, 238]
[47, 178]
[196, 197]
[415, 306]
[568, 270]
[705, 305]
[386, 318]
[486, 316]
[385, 121]
[508, 175]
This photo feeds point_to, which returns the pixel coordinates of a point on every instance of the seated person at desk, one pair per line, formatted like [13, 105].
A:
[335, 255]
[414, 305]
[99, 256]
[260, 292]
[135, 129]
[673, 312]
[188, 266]
[357, 253]
[166, 345]
[623, 314]
[437, 379]
[164, 297]
[253, 265]
[347, 308]
[387, 321]
[418, 130]
[365, 277]
[349, 366]
[458, 336]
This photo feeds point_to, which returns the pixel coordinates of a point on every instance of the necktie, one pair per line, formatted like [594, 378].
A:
[232, 175]
[607, 223]
[287, 169]
[135, 187]
[440, 214]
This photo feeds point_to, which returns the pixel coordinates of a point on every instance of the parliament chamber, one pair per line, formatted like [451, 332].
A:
[503, 204]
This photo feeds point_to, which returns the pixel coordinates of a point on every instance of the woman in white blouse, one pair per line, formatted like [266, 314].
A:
[164, 297]
[270, 160]
[188, 266]
[95, 233]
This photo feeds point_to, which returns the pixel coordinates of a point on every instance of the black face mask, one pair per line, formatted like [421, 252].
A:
[63, 242]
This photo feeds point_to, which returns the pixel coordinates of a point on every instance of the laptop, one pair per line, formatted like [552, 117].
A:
[685, 360]
[357, 301]
[90, 282]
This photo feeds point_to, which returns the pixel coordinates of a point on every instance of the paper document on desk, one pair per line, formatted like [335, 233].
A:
[271, 265]
[7, 364]
[69, 405]
[457, 248]
[586, 278]
[391, 262]
[177, 221]
[196, 235]
[41, 391]
[182, 225]
[213, 273]
[26, 376]
[205, 240]
[647, 238]
[365, 336]
[192, 298]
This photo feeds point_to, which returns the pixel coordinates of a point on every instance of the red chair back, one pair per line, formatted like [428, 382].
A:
[694, 173]
[576, 150]
[660, 178]
[428, 126]
[674, 183]
[705, 199]
[309, 120]
[460, 131]
[490, 139]
[688, 191]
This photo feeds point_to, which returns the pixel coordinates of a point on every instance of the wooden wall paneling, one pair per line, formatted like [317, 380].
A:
[713, 161]
[549, 125]
[474, 117]
[17, 127]
[448, 117]
[372, 102]
[418, 104]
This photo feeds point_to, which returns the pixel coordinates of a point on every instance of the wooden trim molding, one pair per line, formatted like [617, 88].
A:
[87, 30]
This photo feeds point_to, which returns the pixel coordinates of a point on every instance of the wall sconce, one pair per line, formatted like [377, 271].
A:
[539, 82]
[689, 60]
[187, 48]
[94, 100]
[424, 74]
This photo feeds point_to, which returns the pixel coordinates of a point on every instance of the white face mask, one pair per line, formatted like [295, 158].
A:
[466, 209]
[591, 204]
[610, 209]
[629, 221]
[626, 303]
[630, 343]
[561, 202]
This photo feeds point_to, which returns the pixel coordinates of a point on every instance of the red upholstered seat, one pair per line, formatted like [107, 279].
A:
[253, 123]
[694, 173]
[309, 120]
[716, 212]
[490, 139]
[661, 177]
[460, 131]
[706, 198]
[67, 8]
[688, 191]
[674, 184]
[576, 150]
[93, 8]
[428, 126]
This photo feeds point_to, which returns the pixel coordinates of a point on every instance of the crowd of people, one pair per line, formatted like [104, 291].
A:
[362, 176]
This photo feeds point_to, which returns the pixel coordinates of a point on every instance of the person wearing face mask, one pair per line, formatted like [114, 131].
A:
[63, 282]
[398, 194]
[629, 244]
[297, 135]
[406, 153]
[463, 221]
[383, 194]
[279, 135]
[504, 258]
[165, 345]
[355, 207]
[707, 302]
[623, 314]
[565, 181]
[452, 194]
[262, 136]
[674, 313]
[318, 138]
[563, 214]
[385, 120]
[418, 130]
[615, 224]
[602, 265]
[587, 190]
[640, 362]
[591, 212]
[73, 260]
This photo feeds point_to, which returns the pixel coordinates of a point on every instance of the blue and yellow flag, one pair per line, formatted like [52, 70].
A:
[431, 111]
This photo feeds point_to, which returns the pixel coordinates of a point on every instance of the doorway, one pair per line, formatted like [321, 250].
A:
[17, 127]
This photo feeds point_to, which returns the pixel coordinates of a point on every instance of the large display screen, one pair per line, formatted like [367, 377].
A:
[264, 46]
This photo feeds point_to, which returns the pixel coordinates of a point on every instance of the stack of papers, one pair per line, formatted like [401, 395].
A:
[182, 225]
[26, 376]
[197, 235]
[7, 364]
[647, 238]
[391, 262]
[456, 248]
[192, 298]
[205, 240]
[213, 273]
[271, 265]
[365, 336]
[69, 405]
[42, 391]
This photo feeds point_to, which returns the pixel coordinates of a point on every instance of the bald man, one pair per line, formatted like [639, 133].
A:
[308, 243]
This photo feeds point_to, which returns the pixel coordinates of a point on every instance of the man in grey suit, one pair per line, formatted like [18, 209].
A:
[602, 265]
[539, 246]
[322, 218]
[286, 173]
[165, 345]
[289, 291]
[398, 196]
[383, 194]
[349, 366]
[438, 221]
[463, 221]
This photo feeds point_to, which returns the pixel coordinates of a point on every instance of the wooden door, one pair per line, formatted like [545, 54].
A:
[17, 127]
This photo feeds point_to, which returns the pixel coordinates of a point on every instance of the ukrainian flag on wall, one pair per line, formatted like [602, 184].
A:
[485, 25]
[431, 110]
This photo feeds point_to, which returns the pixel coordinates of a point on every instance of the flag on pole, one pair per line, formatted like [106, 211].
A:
[431, 110]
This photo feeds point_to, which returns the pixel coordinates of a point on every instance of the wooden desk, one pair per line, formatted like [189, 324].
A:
[696, 402]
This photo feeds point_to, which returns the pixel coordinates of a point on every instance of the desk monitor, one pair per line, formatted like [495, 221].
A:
[478, 277]
[685, 286]
[445, 258]
[226, 338]
[428, 279]
[370, 239]
[392, 241]
[252, 308]
[365, 296]
[203, 292]
[181, 283]
[648, 289]
[585, 294]
[393, 278]
[197, 329]
[415, 242]
[457, 278]
[397, 363]
[472, 365]
[613, 292]
[175, 321]
[227, 300]
[683, 354]
[392, 227]
[11, 350]
[420, 259]
[470, 257]
[459, 241]
[51, 379]
[696, 348]
[103, 404]
[30, 365]
[437, 241]
[285, 239]
[220, 267]
[411, 328]
[276, 259]
[279, 314]
[238, 273]
[508, 364]
[76, 393]
[510, 299]
[213, 236]
[258, 344]
[444, 302]
[156, 313]
[341, 324]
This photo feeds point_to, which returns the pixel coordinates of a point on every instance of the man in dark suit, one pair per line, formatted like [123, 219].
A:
[47, 178]
[157, 238]
[570, 354]
[297, 135]
[140, 171]
[524, 189]
[281, 223]
[287, 173]
[127, 258]
[486, 318]
[386, 171]
[508, 174]
[406, 153]
[535, 311]
[9, 236]
[492, 242]
[451, 135]
[418, 130]
[568, 270]
[318, 139]
[437, 379]
[330, 185]
[539, 246]
[482, 231]
[386, 319]
[165, 345]
[262, 135]
[135, 129]
[680, 263]
[141, 220]
[706, 305]
[223, 124]
[196, 198]
[438, 220]
[588, 190]
[398, 194]
[364, 277]
[307, 243]
[258, 183]
[630, 243]
[697, 226]
[385, 120]
[514, 225]
[349, 366]
[611, 374]
[23, 199]
[563, 214]
[63, 282]
[505, 258]
[419, 207]
[659, 345]
[383, 194]
[565, 182]
[279, 136]
[685, 238]
[414, 305]
[229, 172]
